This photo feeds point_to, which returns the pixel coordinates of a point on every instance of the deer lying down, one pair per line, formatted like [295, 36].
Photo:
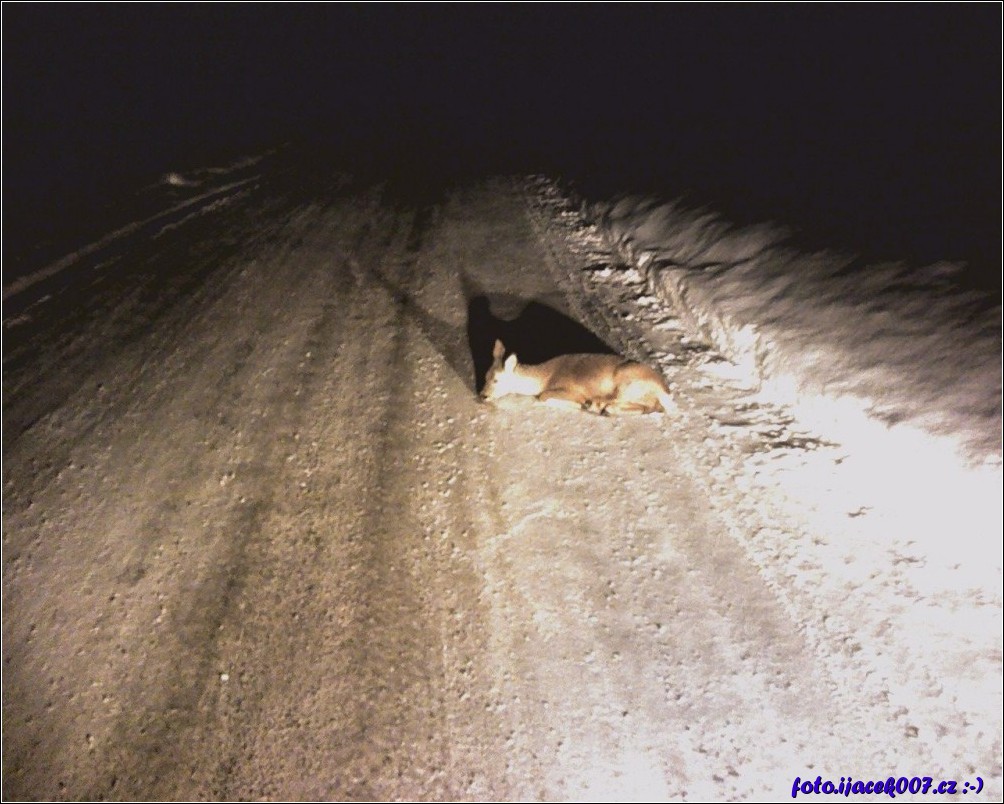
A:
[603, 384]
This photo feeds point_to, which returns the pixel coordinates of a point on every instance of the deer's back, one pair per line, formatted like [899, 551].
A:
[594, 372]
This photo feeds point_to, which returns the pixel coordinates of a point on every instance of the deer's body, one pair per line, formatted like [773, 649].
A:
[604, 384]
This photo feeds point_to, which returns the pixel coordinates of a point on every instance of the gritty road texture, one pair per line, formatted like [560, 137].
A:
[261, 540]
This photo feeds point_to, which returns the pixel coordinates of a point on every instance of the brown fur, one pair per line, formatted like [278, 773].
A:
[603, 384]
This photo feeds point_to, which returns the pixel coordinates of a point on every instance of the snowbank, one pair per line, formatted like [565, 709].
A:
[817, 331]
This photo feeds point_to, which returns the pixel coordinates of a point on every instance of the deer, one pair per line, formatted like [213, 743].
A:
[601, 384]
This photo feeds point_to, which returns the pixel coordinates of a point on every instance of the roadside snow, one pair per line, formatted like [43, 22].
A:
[899, 343]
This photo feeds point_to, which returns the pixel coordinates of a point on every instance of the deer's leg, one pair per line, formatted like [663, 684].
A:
[563, 398]
[600, 405]
[634, 398]
[622, 407]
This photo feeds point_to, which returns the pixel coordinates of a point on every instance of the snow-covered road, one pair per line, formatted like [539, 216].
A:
[261, 540]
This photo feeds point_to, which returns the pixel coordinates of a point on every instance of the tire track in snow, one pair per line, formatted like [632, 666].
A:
[147, 514]
[336, 555]
[399, 665]
[361, 687]
[188, 587]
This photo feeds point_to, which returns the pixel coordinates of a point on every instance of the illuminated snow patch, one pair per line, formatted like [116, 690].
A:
[178, 180]
[632, 774]
[908, 341]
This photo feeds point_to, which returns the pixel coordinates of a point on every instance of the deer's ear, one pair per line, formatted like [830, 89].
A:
[499, 351]
[510, 363]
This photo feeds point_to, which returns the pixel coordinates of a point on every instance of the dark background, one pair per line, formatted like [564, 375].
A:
[874, 130]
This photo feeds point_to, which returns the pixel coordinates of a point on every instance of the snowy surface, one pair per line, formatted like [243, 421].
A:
[262, 541]
[898, 342]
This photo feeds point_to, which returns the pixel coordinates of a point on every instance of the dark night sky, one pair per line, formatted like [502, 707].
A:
[870, 129]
